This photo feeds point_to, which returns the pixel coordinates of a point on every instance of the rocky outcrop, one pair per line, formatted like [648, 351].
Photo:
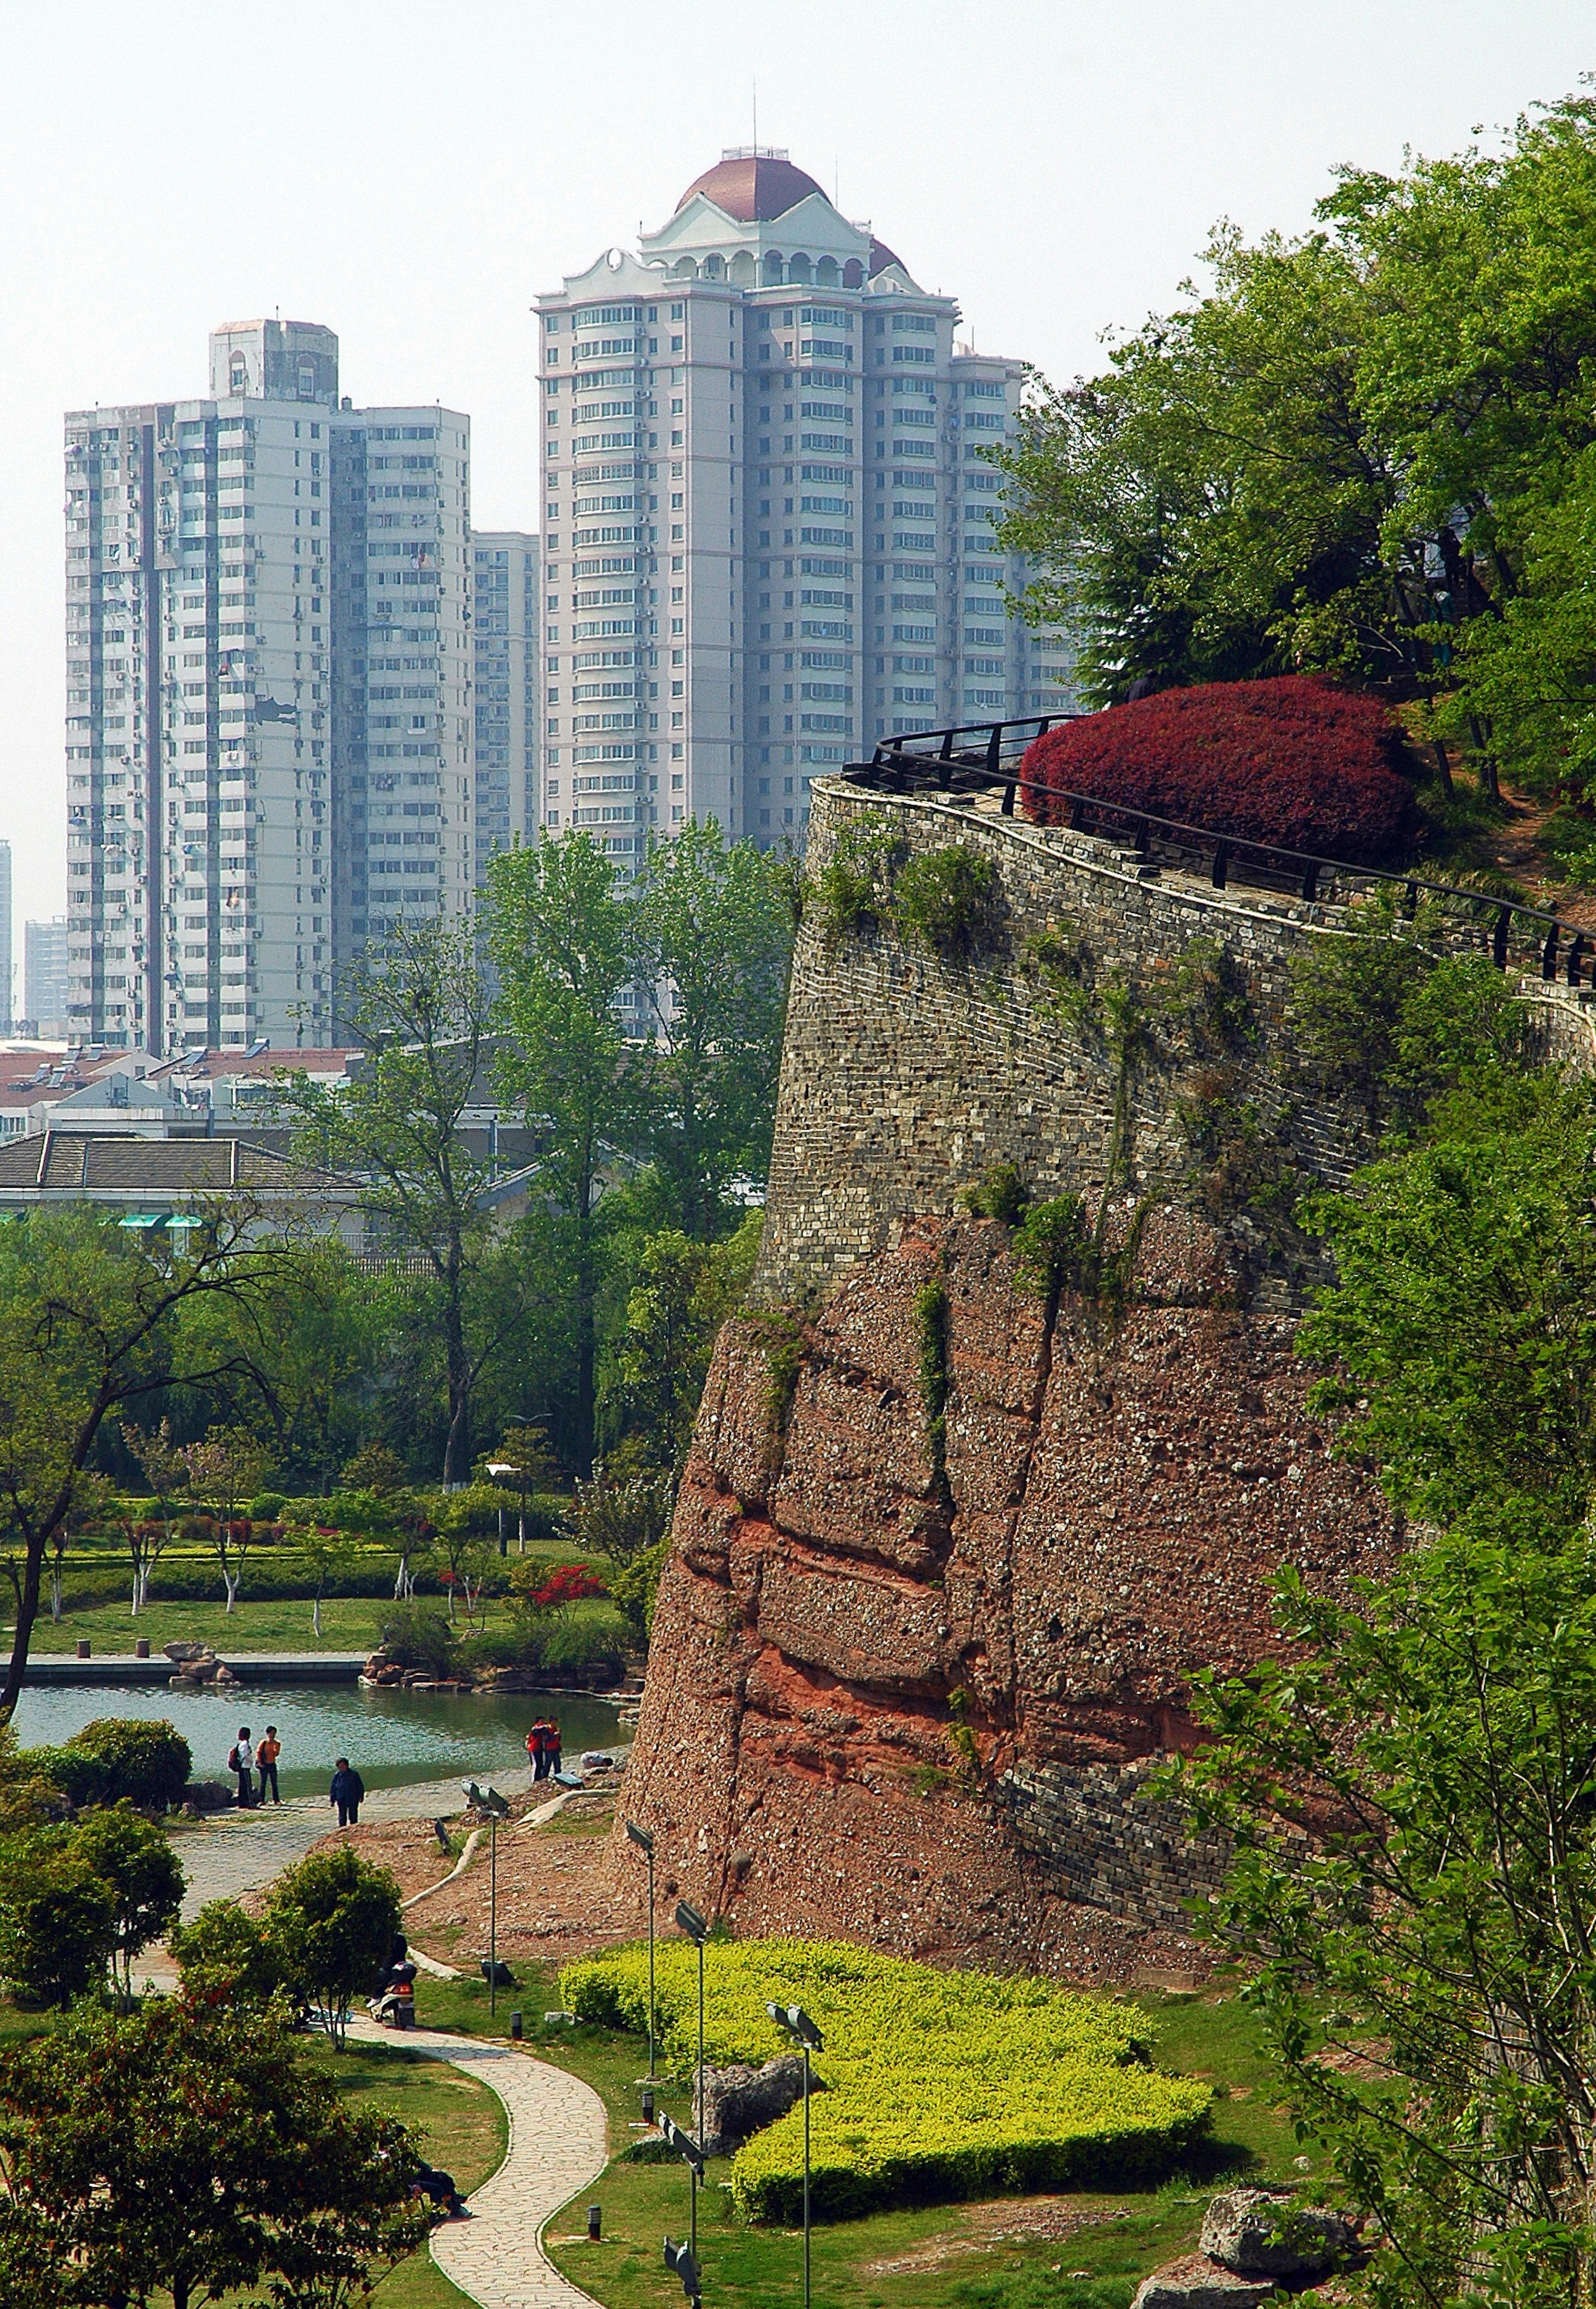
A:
[1262, 2232]
[739, 2100]
[907, 1676]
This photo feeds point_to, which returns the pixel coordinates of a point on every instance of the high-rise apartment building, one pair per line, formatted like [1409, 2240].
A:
[768, 519]
[7, 962]
[505, 621]
[269, 748]
[44, 977]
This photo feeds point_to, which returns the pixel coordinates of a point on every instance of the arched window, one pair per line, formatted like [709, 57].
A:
[773, 269]
[686, 268]
[712, 267]
[826, 273]
[307, 380]
[798, 268]
[852, 274]
[238, 374]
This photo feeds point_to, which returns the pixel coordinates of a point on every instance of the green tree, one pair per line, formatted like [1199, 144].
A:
[563, 939]
[192, 2151]
[330, 1923]
[1460, 1334]
[682, 1293]
[88, 1331]
[419, 1012]
[1422, 1962]
[58, 1917]
[164, 1468]
[712, 939]
[226, 1953]
[132, 1856]
[225, 1471]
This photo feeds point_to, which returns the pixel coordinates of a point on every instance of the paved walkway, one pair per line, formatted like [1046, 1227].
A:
[557, 2146]
[231, 1851]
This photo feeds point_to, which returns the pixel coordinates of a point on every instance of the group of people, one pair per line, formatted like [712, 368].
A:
[246, 1759]
[542, 1748]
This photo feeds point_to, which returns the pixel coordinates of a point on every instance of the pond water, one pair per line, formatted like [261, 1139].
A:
[394, 1739]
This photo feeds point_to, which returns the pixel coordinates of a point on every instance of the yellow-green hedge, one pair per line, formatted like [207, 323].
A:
[938, 2085]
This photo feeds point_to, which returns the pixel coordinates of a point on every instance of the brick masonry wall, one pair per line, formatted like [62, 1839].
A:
[1109, 1846]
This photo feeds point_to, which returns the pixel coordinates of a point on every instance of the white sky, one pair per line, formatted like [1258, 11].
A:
[411, 176]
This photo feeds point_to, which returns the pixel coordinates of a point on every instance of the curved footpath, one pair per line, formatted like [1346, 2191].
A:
[558, 2145]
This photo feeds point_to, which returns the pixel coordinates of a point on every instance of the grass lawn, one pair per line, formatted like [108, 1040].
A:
[349, 1623]
[1076, 2251]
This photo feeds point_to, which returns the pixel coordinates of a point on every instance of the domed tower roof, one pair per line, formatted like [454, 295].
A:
[882, 256]
[752, 188]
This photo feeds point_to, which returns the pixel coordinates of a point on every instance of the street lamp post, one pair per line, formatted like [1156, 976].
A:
[644, 1841]
[801, 2030]
[490, 1801]
[696, 1928]
[693, 2157]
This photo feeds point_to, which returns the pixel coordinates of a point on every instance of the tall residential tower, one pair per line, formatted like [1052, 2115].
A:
[268, 614]
[505, 619]
[767, 515]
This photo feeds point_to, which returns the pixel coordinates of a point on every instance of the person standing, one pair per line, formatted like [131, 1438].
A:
[346, 1791]
[534, 1750]
[266, 1762]
[242, 1762]
[551, 1746]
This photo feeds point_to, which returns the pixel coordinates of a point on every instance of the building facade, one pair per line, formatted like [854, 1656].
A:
[267, 614]
[767, 515]
[7, 960]
[506, 622]
[44, 977]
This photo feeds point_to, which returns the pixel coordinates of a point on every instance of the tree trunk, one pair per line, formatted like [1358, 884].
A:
[57, 1600]
[230, 1581]
[26, 1614]
[456, 1456]
[402, 1576]
[316, 1618]
[1442, 768]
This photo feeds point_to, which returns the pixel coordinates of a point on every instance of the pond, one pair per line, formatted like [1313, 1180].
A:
[394, 1739]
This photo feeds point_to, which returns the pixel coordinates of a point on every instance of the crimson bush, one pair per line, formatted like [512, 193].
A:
[1288, 761]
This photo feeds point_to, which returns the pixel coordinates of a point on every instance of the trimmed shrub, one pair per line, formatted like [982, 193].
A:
[416, 1636]
[1288, 761]
[938, 2085]
[117, 1758]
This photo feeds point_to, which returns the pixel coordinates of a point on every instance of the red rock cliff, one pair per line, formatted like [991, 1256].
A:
[900, 1692]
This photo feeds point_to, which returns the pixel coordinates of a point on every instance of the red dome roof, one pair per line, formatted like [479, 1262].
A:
[752, 190]
[882, 256]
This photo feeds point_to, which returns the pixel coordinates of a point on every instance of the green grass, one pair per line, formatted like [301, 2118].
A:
[348, 1624]
[1208, 2036]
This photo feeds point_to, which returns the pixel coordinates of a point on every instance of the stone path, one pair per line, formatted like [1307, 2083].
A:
[232, 1852]
[557, 2145]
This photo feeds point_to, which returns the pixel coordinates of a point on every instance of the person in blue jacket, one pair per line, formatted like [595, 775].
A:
[347, 1789]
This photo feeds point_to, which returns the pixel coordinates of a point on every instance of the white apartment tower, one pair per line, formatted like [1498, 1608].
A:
[268, 659]
[505, 616]
[768, 519]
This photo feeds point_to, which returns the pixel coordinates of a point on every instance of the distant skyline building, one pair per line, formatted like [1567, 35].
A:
[505, 619]
[268, 740]
[8, 958]
[767, 519]
[44, 977]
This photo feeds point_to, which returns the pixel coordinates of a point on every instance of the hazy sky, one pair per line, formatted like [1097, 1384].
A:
[411, 176]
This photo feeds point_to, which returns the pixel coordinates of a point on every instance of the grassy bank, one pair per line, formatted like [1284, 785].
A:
[1083, 2252]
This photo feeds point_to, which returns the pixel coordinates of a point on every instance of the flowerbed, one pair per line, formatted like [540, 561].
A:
[1289, 761]
[937, 2085]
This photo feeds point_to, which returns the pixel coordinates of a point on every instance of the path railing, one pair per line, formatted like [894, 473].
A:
[981, 757]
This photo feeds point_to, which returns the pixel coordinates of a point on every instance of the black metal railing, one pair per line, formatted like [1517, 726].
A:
[946, 761]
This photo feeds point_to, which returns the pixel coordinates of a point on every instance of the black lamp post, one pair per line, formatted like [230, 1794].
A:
[693, 2157]
[696, 1928]
[682, 2259]
[496, 1808]
[644, 1841]
[801, 2030]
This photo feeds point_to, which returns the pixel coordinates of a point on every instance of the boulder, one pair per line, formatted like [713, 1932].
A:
[1262, 2232]
[206, 1796]
[739, 2100]
[1196, 2282]
[180, 1652]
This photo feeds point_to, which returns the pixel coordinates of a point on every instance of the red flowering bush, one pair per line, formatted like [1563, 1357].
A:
[567, 1583]
[1288, 761]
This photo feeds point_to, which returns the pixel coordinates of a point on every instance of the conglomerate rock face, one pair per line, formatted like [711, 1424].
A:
[903, 1688]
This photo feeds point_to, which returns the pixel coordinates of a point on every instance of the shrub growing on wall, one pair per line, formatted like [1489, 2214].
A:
[1288, 761]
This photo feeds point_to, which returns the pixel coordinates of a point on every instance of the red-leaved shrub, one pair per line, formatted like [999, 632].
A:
[1289, 761]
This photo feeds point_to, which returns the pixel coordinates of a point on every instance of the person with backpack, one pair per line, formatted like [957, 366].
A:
[265, 1759]
[241, 1760]
[552, 1747]
[347, 1789]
